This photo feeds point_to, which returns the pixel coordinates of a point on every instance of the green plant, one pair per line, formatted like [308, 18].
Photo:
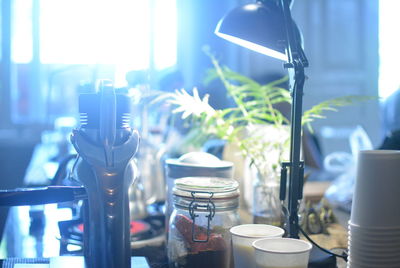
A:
[244, 125]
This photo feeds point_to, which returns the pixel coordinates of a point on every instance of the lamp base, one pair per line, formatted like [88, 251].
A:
[321, 259]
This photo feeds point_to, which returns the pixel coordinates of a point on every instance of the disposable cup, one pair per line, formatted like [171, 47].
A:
[377, 233]
[243, 237]
[376, 198]
[358, 264]
[373, 261]
[374, 236]
[375, 252]
[281, 252]
[375, 241]
[382, 235]
[373, 229]
[374, 256]
[376, 246]
[362, 264]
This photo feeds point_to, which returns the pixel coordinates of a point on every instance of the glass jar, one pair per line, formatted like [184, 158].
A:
[204, 211]
[194, 164]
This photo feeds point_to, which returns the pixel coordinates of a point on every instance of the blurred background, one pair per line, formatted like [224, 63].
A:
[53, 50]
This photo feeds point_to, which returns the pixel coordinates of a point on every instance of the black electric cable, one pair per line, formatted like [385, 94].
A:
[344, 255]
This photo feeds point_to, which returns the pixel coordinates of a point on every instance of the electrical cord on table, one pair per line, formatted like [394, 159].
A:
[344, 255]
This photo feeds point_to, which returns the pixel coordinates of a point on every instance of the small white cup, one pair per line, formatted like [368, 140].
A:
[243, 237]
[281, 252]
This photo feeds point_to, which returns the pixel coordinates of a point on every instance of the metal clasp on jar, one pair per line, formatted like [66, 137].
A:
[194, 205]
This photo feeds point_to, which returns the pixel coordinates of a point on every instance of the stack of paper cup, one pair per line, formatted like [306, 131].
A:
[374, 226]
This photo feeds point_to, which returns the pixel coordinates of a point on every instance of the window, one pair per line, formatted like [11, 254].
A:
[132, 33]
[389, 43]
[77, 38]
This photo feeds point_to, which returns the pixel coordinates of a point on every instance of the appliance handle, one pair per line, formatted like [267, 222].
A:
[41, 195]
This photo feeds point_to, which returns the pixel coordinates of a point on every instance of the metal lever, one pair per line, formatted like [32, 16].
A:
[282, 190]
[301, 179]
[193, 206]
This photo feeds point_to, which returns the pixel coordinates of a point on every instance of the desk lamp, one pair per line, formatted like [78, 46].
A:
[267, 27]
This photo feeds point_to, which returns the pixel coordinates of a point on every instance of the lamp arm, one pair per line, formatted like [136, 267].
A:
[296, 166]
[293, 44]
[297, 61]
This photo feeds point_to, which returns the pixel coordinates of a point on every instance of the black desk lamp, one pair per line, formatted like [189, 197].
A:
[267, 27]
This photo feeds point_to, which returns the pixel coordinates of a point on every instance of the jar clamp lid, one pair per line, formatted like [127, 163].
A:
[202, 187]
[203, 191]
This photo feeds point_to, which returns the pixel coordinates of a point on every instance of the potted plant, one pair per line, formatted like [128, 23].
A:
[255, 125]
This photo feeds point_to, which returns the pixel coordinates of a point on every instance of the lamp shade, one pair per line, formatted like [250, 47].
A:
[257, 26]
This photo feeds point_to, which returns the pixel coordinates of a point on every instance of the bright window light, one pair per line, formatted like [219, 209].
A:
[389, 43]
[165, 35]
[22, 31]
[120, 32]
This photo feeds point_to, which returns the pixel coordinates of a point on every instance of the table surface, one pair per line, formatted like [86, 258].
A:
[32, 232]
[64, 262]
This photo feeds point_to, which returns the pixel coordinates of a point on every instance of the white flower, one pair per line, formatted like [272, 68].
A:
[191, 105]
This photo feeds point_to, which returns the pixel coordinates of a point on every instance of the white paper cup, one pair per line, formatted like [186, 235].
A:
[363, 264]
[373, 260]
[378, 244]
[374, 235]
[243, 237]
[374, 250]
[281, 252]
[373, 257]
[376, 196]
[373, 230]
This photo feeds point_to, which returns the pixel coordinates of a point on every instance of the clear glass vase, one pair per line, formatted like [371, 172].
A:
[267, 207]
